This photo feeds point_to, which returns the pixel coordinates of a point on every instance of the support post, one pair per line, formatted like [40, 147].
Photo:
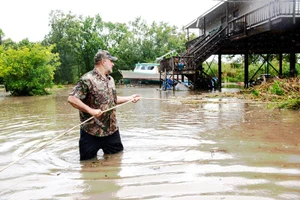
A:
[195, 77]
[267, 63]
[292, 64]
[160, 80]
[294, 11]
[280, 65]
[220, 71]
[246, 74]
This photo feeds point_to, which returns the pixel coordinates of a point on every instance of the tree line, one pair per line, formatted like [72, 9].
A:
[67, 51]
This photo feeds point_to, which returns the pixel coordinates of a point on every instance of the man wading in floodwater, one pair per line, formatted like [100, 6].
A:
[94, 93]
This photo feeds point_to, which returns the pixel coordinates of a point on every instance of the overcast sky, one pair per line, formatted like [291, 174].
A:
[20, 19]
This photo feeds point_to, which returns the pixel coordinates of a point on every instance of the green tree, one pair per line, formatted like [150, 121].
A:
[166, 38]
[89, 42]
[8, 43]
[64, 34]
[150, 42]
[77, 39]
[28, 70]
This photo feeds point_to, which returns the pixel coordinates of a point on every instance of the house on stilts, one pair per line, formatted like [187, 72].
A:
[239, 27]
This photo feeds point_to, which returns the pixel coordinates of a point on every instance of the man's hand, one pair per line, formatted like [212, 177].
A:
[135, 98]
[96, 112]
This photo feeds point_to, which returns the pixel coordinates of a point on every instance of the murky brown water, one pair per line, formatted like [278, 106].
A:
[172, 150]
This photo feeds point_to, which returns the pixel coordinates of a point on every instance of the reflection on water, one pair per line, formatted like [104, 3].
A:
[224, 149]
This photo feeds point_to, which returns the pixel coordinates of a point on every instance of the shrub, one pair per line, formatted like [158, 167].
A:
[28, 70]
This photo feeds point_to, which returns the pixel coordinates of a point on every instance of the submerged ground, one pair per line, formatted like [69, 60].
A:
[178, 145]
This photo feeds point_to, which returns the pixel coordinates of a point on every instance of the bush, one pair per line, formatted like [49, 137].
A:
[28, 70]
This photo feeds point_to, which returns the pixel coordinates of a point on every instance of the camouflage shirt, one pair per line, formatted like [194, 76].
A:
[100, 93]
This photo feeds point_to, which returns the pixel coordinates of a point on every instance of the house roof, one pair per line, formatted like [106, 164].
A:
[198, 22]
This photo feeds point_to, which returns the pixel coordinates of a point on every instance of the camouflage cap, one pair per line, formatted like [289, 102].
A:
[103, 54]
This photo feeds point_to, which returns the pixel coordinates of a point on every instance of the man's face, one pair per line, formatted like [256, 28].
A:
[108, 65]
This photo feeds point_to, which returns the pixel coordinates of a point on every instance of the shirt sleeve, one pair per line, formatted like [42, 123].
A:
[81, 89]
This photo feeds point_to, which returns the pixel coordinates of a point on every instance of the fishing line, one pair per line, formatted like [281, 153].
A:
[148, 98]
[216, 101]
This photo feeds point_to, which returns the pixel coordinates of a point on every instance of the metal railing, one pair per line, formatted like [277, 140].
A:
[210, 45]
[287, 8]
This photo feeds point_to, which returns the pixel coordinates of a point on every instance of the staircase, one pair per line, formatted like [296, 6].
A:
[206, 47]
[189, 63]
[198, 50]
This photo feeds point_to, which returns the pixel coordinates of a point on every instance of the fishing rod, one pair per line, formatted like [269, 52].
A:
[62, 134]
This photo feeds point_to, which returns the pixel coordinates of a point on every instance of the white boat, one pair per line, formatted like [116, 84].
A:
[147, 68]
[142, 73]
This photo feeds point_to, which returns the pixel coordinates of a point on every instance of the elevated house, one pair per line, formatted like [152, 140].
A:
[239, 27]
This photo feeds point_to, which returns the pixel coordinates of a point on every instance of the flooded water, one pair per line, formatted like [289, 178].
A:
[182, 150]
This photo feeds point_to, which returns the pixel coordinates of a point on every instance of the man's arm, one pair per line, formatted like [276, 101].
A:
[122, 99]
[77, 103]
